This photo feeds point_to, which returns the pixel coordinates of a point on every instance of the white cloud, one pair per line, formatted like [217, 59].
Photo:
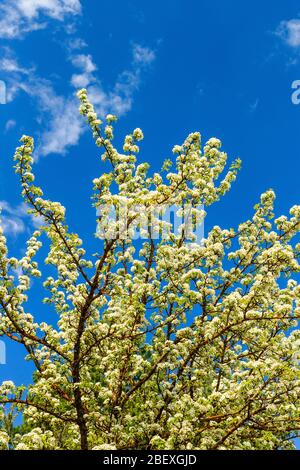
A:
[143, 55]
[58, 115]
[15, 220]
[53, 8]
[10, 65]
[22, 16]
[15, 73]
[11, 219]
[12, 225]
[76, 44]
[289, 31]
[65, 127]
[84, 62]
[10, 124]
[118, 100]
[87, 67]
[17, 76]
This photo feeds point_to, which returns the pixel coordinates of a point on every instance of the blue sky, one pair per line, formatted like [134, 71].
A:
[169, 67]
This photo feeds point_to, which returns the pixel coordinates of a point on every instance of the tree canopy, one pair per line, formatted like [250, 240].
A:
[161, 342]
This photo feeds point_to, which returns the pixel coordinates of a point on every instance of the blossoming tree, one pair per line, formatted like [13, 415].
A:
[160, 344]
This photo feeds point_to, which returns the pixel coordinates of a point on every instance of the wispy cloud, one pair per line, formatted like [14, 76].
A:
[65, 126]
[76, 44]
[253, 106]
[289, 32]
[18, 78]
[143, 56]
[10, 124]
[19, 17]
[9, 64]
[58, 115]
[87, 67]
[119, 99]
[16, 220]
